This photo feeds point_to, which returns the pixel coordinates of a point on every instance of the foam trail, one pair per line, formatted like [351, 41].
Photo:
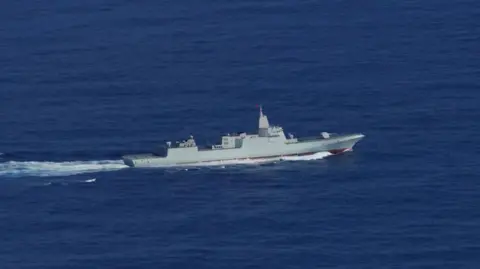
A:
[315, 156]
[46, 169]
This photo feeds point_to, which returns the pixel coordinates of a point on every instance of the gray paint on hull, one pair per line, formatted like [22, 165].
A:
[261, 147]
[269, 141]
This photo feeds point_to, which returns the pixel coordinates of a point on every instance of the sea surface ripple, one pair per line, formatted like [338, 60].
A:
[84, 82]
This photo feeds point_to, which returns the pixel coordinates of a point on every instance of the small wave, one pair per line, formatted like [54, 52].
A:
[315, 156]
[48, 169]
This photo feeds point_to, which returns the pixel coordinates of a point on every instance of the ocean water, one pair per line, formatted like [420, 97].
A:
[84, 82]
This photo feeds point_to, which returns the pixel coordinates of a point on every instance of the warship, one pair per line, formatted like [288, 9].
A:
[270, 142]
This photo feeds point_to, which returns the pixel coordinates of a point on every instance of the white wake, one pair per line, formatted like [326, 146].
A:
[48, 169]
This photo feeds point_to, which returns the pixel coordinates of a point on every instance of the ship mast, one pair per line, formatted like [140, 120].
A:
[263, 124]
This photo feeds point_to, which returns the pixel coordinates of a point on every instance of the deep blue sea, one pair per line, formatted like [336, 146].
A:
[84, 82]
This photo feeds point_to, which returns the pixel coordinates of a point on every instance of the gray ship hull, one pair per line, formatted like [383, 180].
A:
[247, 147]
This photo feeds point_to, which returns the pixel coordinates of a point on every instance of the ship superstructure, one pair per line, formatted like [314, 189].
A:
[269, 142]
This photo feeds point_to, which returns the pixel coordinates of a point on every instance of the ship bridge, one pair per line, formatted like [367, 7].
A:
[264, 128]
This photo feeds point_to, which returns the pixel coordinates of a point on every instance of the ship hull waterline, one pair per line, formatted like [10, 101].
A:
[271, 152]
